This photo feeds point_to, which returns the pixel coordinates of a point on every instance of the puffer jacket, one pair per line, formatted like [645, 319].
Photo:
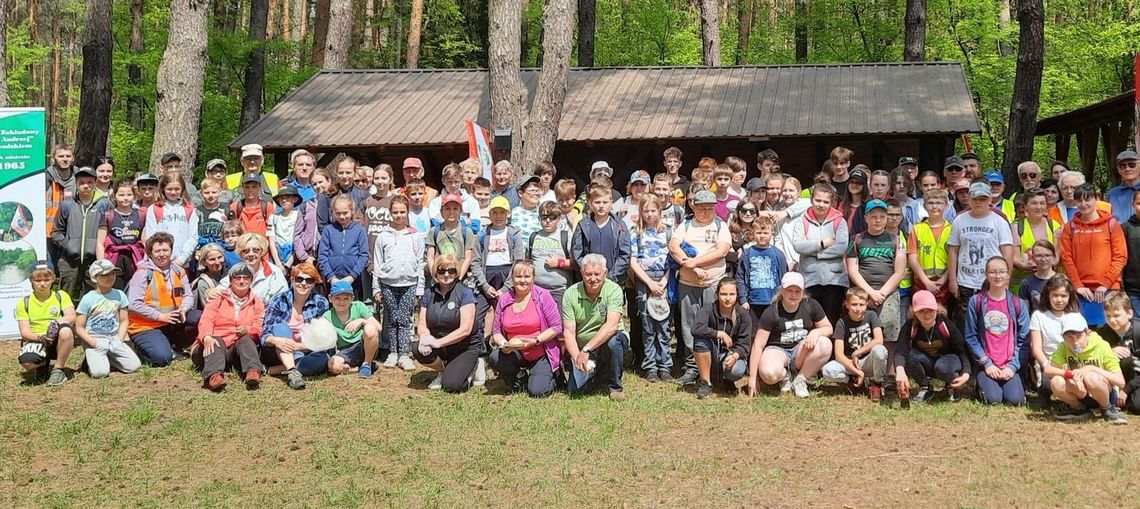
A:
[821, 266]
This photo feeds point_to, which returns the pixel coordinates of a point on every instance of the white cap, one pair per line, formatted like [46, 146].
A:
[601, 166]
[1073, 322]
[251, 150]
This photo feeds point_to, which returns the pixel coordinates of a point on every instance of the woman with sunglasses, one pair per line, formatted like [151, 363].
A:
[227, 338]
[285, 316]
[740, 230]
[449, 343]
[268, 279]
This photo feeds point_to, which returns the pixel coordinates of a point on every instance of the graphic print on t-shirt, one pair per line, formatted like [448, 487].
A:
[860, 335]
[996, 323]
[794, 332]
[761, 273]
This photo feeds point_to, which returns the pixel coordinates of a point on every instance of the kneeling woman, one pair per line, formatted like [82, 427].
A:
[527, 334]
[930, 345]
[228, 333]
[793, 335]
[285, 316]
[722, 334]
[997, 332]
[449, 342]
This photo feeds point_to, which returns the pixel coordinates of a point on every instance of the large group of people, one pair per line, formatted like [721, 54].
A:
[881, 281]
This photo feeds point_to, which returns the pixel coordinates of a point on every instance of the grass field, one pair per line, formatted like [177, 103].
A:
[156, 439]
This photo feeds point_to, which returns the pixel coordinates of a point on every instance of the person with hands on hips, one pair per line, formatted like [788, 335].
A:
[449, 343]
[592, 329]
[1085, 373]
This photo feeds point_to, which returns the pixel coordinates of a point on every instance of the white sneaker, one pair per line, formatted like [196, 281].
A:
[786, 385]
[799, 385]
[390, 360]
[436, 384]
[480, 373]
[405, 363]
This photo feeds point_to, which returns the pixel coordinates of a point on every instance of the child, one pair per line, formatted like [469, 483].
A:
[524, 216]
[282, 226]
[75, 233]
[45, 319]
[1044, 257]
[1085, 373]
[926, 246]
[649, 254]
[1130, 276]
[895, 222]
[252, 210]
[397, 278]
[722, 339]
[102, 324]
[977, 235]
[1056, 300]
[997, 329]
[418, 216]
[549, 250]
[875, 263]
[357, 331]
[672, 215]
[1120, 332]
[452, 177]
[343, 250]
[760, 269]
[740, 231]
[1093, 252]
[451, 238]
[147, 190]
[231, 232]
[212, 214]
[482, 193]
[855, 196]
[175, 215]
[603, 233]
[497, 248]
[931, 345]
[858, 346]
[119, 239]
[631, 205]
[565, 192]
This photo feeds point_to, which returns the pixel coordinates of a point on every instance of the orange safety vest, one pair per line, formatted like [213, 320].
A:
[55, 196]
[157, 296]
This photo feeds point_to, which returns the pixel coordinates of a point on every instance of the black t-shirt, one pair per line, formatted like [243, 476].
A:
[443, 314]
[789, 328]
[856, 334]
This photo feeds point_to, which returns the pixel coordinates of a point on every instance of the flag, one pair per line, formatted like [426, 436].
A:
[479, 147]
[20, 222]
[1136, 99]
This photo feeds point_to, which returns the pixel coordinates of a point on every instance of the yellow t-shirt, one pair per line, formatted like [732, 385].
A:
[39, 314]
[1096, 353]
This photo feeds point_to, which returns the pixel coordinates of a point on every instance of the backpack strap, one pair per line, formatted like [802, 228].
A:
[566, 243]
[530, 246]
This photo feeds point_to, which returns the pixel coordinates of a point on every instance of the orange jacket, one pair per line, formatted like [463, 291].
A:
[1094, 253]
[220, 320]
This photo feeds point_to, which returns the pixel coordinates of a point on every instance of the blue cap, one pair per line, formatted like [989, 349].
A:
[995, 177]
[874, 204]
[340, 287]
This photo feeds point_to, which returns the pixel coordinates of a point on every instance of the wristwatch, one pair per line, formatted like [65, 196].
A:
[586, 349]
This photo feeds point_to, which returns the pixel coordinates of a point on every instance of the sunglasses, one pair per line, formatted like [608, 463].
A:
[1130, 164]
[447, 272]
[305, 280]
[748, 211]
[1029, 176]
[550, 218]
[251, 250]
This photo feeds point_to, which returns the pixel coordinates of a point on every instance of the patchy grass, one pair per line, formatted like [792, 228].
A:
[157, 439]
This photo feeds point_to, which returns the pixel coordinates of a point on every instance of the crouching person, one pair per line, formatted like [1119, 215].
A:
[1085, 373]
[722, 340]
[931, 346]
[591, 325]
[527, 335]
[162, 318]
[860, 355]
[449, 343]
[45, 318]
[228, 336]
[357, 332]
[102, 324]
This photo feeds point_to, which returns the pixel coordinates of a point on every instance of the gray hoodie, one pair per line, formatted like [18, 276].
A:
[821, 266]
[76, 228]
[398, 259]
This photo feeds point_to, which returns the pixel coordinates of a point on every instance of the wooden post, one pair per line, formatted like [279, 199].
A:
[1086, 146]
[1062, 152]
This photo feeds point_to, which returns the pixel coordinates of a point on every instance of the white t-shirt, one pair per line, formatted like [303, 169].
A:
[498, 248]
[705, 238]
[1049, 325]
[978, 240]
[281, 227]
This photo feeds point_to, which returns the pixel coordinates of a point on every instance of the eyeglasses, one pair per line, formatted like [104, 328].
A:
[749, 211]
[547, 217]
[304, 280]
[240, 276]
[997, 272]
[1029, 175]
[446, 272]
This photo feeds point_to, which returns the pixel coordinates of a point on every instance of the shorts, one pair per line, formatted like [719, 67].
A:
[702, 345]
[38, 353]
[792, 352]
[353, 355]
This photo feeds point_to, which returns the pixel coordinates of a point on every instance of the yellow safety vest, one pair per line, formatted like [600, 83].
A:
[233, 181]
[932, 253]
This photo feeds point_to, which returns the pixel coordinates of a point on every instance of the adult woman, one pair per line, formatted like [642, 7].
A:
[822, 234]
[104, 174]
[1036, 225]
[740, 230]
[162, 318]
[1094, 252]
[212, 264]
[306, 235]
[722, 339]
[231, 325]
[268, 280]
[793, 345]
[997, 332]
[527, 334]
[449, 342]
[285, 316]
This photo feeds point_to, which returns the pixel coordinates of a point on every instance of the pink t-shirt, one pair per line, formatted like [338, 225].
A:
[725, 207]
[999, 339]
[525, 324]
[296, 321]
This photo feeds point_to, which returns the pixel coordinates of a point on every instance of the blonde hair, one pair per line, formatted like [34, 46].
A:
[648, 200]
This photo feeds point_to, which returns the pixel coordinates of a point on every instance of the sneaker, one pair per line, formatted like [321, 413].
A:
[216, 382]
[786, 385]
[57, 378]
[617, 395]
[664, 375]
[952, 395]
[295, 379]
[436, 384]
[651, 376]
[689, 378]
[1113, 415]
[704, 389]
[252, 379]
[365, 370]
[391, 360]
[480, 377]
[923, 396]
[179, 355]
[876, 394]
[799, 386]
[1074, 414]
[405, 363]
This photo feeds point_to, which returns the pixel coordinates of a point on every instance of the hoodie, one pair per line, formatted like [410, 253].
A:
[1131, 271]
[76, 229]
[709, 322]
[1094, 253]
[612, 242]
[175, 221]
[398, 259]
[821, 266]
[343, 251]
[221, 317]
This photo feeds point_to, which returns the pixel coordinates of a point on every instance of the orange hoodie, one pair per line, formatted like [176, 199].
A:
[1094, 253]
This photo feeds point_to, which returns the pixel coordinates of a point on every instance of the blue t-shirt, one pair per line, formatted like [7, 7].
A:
[102, 311]
[650, 249]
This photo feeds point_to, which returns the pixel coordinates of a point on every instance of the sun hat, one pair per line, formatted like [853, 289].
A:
[658, 307]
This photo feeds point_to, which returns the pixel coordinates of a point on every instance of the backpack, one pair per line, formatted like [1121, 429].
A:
[942, 328]
[716, 221]
[1014, 308]
[159, 207]
[435, 231]
[55, 293]
[237, 208]
[565, 244]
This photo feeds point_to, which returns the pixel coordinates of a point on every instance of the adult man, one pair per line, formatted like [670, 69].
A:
[1067, 207]
[972, 164]
[702, 265]
[592, 329]
[59, 190]
[953, 170]
[977, 236]
[1120, 197]
[252, 159]
[304, 163]
[1029, 174]
[171, 163]
[679, 182]
[997, 187]
[502, 183]
[414, 169]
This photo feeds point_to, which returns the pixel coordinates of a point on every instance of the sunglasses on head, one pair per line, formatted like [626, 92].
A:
[305, 280]
[448, 271]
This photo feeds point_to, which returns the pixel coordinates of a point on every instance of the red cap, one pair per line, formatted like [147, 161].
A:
[413, 162]
[451, 198]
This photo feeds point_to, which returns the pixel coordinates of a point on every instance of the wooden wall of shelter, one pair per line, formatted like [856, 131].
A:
[1101, 131]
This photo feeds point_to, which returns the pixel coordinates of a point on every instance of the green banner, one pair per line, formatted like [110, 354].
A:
[23, 232]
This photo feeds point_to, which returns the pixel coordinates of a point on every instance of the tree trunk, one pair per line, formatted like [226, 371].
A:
[915, 31]
[801, 31]
[710, 33]
[54, 133]
[339, 34]
[417, 20]
[226, 14]
[320, 31]
[1027, 86]
[587, 21]
[4, 98]
[179, 83]
[745, 10]
[546, 110]
[255, 65]
[504, 67]
[136, 115]
[1003, 23]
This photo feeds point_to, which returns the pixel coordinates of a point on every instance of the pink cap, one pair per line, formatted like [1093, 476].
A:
[413, 162]
[958, 185]
[792, 279]
[923, 300]
[451, 198]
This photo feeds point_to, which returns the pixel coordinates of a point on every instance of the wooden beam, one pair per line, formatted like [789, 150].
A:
[1062, 152]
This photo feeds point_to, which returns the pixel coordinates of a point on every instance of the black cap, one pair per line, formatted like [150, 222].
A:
[85, 170]
[970, 155]
[146, 177]
[251, 177]
[908, 160]
[169, 156]
[858, 175]
[288, 191]
[954, 161]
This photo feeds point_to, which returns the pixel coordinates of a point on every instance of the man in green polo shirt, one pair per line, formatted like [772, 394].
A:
[592, 329]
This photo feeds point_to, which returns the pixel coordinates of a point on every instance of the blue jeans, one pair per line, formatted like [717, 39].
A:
[919, 366]
[993, 392]
[609, 360]
[656, 335]
[156, 346]
[1135, 298]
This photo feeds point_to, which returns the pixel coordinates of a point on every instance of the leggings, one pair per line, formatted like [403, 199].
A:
[458, 363]
[399, 302]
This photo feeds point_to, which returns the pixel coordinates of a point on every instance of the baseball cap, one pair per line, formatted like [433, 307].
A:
[960, 184]
[215, 163]
[100, 267]
[453, 198]
[791, 279]
[413, 162]
[907, 160]
[525, 179]
[251, 150]
[340, 287]
[754, 184]
[240, 269]
[704, 197]
[923, 300]
[1073, 322]
[995, 177]
[970, 155]
[85, 170]
[874, 204]
[500, 202]
[1127, 155]
[40, 264]
[169, 156]
[954, 162]
[859, 175]
[146, 177]
[602, 167]
[639, 176]
[979, 189]
[250, 177]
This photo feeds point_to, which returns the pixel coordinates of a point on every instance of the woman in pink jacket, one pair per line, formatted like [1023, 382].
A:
[229, 331]
[527, 334]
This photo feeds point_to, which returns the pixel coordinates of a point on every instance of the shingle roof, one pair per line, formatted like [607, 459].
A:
[352, 108]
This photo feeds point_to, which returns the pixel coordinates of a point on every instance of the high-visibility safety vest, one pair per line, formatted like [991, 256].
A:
[159, 295]
[55, 196]
[932, 253]
[233, 181]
